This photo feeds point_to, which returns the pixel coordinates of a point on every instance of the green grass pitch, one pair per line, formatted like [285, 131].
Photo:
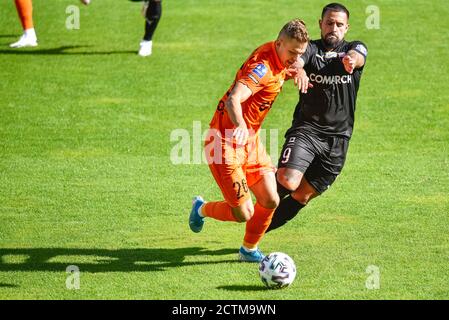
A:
[86, 177]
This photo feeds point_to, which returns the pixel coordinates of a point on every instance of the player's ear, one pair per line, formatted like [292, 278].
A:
[278, 42]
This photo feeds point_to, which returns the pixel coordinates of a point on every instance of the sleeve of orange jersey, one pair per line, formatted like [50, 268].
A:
[255, 76]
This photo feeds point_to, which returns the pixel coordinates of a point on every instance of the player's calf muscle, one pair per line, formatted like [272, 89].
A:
[302, 198]
[304, 193]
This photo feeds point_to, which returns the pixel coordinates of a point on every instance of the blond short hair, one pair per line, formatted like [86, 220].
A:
[295, 29]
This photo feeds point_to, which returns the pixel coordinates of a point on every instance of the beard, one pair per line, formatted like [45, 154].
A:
[330, 41]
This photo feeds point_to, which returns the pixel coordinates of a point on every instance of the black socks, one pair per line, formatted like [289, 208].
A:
[152, 17]
[288, 208]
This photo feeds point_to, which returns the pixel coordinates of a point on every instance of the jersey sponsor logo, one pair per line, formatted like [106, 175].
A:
[361, 48]
[260, 70]
[318, 78]
[253, 78]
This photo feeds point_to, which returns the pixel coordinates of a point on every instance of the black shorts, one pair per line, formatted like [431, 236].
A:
[320, 158]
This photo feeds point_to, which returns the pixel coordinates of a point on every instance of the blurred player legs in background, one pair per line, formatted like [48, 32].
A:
[152, 11]
[25, 12]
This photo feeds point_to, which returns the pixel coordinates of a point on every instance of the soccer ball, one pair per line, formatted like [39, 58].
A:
[277, 270]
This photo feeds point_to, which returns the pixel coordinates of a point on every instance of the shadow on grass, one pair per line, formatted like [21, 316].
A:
[243, 288]
[105, 260]
[8, 285]
[62, 51]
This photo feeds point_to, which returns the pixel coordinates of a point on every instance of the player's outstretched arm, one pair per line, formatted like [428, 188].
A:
[233, 104]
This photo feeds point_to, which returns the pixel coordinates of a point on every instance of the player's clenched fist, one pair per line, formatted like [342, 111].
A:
[349, 63]
[241, 134]
[302, 81]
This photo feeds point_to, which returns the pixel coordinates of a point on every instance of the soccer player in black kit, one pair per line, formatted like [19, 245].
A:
[152, 10]
[315, 146]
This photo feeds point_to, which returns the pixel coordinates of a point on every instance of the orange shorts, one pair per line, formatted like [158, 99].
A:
[236, 168]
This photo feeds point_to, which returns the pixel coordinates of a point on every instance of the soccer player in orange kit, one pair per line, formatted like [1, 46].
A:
[25, 11]
[236, 157]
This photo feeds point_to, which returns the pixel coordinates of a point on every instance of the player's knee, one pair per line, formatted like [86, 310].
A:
[288, 181]
[243, 213]
[270, 202]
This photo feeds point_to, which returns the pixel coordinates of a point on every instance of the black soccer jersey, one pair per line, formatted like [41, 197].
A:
[328, 108]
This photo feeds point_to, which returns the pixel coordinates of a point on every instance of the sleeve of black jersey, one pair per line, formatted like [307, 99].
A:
[308, 54]
[360, 47]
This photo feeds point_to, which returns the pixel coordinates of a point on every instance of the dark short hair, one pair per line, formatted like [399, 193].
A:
[334, 7]
[295, 29]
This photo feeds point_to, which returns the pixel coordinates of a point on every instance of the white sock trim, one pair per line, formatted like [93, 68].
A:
[200, 209]
[30, 33]
[248, 249]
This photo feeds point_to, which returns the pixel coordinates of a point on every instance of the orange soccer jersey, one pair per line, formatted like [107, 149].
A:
[264, 75]
[236, 168]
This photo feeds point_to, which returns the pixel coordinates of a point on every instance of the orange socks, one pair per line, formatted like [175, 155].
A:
[256, 227]
[25, 11]
[219, 210]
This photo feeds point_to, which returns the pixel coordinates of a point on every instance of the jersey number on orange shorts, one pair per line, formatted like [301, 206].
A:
[239, 187]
